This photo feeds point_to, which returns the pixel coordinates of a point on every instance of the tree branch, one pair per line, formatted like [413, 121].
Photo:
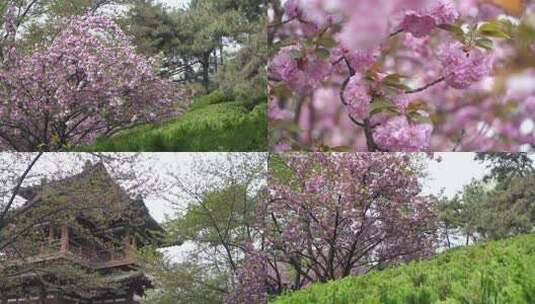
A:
[426, 86]
[17, 188]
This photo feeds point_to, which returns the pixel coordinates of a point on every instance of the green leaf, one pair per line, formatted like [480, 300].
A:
[297, 54]
[394, 78]
[416, 117]
[282, 91]
[322, 53]
[485, 43]
[294, 128]
[327, 42]
[457, 31]
[370, 75]
[492, 29]
[399, 86]
[418, 105]
[341, 149]
[309, 43]
[382, 105]
[525, 35]
[394, 81]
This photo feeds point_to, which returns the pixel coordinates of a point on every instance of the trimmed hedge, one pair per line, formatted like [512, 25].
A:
[211, 124]
[206, 100]
[498, 272]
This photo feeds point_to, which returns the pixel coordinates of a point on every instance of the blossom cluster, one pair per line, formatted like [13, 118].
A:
[420, 24]
[397, 75]
[463, 68]
[250, 277]
[87, 82]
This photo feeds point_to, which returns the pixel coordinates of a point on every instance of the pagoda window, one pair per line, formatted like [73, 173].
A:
[53, 233]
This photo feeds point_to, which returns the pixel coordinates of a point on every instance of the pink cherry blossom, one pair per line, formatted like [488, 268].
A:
[398, 135]
[463, 67]
[417, 24]
[444, 12]
[357, 97]
[251, 279]
[390, 65]
[291, 9]
[420, 24]
[529, 105]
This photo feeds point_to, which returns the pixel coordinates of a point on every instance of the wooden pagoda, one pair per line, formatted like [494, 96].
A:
[108, 250]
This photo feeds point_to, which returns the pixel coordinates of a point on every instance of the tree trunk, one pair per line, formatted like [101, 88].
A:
[206, 71]
[448, 236]
[467, 238]
[221, 51]
[215, 60]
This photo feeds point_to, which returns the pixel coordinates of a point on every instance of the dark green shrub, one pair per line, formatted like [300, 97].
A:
[205, 100]
[227, 126]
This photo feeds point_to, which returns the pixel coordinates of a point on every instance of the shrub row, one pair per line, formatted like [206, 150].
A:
[498, 272]
[211, 124]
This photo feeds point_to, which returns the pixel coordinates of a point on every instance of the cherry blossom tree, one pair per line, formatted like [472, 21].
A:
[86, 82]
[403, 75]
[251, 279]
[328, 216]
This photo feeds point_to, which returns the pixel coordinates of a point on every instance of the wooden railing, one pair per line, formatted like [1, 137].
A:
[101, 258]
[53, 249]
[37, 249]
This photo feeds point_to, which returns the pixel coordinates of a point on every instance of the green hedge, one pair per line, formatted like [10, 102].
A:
[211, 124]
[206, 100]
[499, 272]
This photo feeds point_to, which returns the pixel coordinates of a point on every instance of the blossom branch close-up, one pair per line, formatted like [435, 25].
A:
[402, 75]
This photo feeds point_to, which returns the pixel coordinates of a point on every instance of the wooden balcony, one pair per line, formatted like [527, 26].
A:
[56, 249]
[102, 258]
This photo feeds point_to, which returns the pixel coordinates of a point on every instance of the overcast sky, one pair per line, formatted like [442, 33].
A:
[454, 171]
[174, 3]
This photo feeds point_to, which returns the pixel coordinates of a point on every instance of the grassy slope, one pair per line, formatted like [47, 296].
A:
[495, 272]
[211, 124]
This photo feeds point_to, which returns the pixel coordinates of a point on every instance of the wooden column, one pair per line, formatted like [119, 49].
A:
[130, 298]
[48, 248]
[64, 239]
[59, 298]
[50, 234]
[129, 243]
[42, 295]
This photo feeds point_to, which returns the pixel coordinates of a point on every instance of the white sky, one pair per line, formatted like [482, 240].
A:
[454, 171]
[174, 3]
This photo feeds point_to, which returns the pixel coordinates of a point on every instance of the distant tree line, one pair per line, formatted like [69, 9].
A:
[500, 205]
[203, 39]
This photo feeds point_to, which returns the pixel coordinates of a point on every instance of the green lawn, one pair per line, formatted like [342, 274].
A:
[500, 272]
[211, 124]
